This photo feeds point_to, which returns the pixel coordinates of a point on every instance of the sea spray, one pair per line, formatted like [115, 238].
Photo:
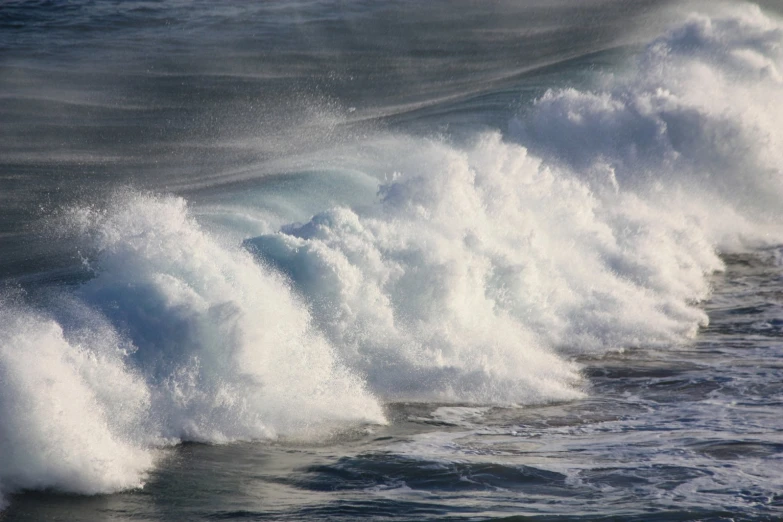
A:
[70, 409]
[226, 347]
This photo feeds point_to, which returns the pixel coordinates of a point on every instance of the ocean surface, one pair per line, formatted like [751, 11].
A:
[391, 260]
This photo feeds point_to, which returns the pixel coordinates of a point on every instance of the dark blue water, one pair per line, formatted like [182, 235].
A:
[359, 260]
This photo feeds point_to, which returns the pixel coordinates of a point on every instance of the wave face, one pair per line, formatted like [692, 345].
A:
[477, 274]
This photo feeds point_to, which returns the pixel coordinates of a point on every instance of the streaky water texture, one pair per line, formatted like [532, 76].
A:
[504, 269]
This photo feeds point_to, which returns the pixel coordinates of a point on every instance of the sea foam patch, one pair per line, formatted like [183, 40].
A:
[481, 272]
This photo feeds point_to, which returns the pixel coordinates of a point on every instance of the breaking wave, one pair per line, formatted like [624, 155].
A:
[477, 274]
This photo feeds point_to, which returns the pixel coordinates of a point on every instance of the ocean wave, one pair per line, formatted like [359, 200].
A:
[476, 276]
[174, 338]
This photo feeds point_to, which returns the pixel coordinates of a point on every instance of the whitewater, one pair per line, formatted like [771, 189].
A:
[551, 289]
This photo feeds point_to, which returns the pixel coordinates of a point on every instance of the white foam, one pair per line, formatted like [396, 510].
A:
[69, 409]
[477, 263]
